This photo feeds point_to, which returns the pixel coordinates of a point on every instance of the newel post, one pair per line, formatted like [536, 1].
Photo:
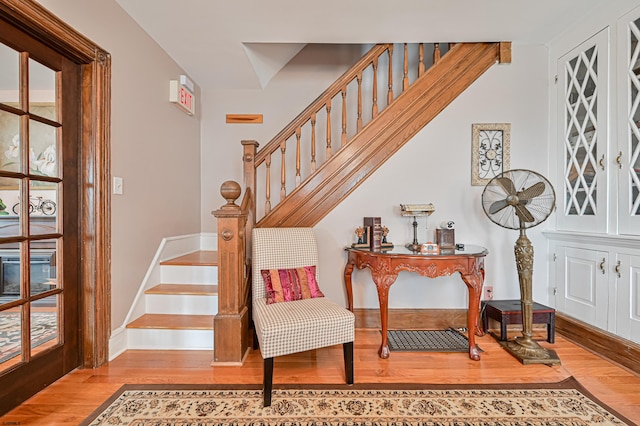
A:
[231, 323]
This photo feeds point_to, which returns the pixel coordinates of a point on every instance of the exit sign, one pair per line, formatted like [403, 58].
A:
[181, 93]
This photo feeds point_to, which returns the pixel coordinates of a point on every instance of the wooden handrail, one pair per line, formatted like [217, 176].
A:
[323, 100]
[393, 127]
[304, 127]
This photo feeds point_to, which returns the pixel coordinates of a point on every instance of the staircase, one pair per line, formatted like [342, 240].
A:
[329, 162]
[180, 309]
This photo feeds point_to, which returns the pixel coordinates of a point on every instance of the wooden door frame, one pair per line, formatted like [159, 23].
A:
[95, 166]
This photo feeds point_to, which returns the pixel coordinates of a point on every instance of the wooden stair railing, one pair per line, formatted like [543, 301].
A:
[231, 323]
[390, 125]
[365, 141]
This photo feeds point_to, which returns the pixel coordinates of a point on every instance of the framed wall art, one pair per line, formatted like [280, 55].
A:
[490, 151]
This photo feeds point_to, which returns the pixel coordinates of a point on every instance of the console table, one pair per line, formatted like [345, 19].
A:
[385, 266]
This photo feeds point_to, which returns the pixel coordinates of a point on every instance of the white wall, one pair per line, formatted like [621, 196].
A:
[155, 147]
[433, 167]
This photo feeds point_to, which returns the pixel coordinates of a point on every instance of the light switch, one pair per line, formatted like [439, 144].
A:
[117, 185]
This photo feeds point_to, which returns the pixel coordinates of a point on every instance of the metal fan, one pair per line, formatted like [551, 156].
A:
[521, 199]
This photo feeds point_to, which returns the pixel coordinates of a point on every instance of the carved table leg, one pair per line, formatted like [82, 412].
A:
[348, 270]
[474, 282]
[383, 282]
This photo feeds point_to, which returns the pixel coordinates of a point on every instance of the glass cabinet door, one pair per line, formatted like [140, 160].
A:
[628, 154]
[583, 132]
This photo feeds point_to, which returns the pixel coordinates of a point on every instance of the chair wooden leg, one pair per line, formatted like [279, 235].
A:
[255, 339]
[347, 348]
[268, 381]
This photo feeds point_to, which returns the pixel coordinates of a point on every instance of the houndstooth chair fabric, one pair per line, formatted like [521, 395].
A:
[289, 327]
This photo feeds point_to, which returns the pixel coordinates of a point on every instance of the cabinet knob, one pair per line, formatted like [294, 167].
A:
[602, 265]
[601, 162]
[617, 269]
[619, 160]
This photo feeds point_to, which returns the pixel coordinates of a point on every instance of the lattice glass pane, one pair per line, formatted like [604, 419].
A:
[9, 141]
[634, 118]
[581, 133]
[42, 149]
[10, 71]
[42, 90]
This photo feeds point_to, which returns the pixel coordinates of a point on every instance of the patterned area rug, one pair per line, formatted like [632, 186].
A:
[43, 329]
[557, 404]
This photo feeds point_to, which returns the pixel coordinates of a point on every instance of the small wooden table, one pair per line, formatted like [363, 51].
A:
[510, 312]
[385, 266]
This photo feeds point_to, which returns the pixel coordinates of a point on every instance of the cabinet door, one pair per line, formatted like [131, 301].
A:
[628, 297]
[583, 102]
[582, 284]
[628, 153]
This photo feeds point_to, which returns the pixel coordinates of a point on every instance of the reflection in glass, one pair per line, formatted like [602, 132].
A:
[9, 141]
[42, 90]
[42, 149]
[10, 71]
[10, 275]
[43, 206]
[9, 197]
[45, 326]
[10, 337]
[42, 266]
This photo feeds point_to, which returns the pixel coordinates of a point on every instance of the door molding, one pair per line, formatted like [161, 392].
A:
[95, 167]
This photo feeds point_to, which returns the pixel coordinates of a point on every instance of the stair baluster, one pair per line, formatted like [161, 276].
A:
[313, 142]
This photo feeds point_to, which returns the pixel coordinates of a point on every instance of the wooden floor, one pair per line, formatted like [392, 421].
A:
[75, 396]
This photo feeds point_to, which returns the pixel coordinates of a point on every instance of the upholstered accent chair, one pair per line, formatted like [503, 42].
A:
[287, 327]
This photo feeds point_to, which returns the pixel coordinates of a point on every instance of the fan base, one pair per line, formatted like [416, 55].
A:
[531, 354]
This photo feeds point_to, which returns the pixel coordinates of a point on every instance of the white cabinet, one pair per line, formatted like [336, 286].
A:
[627, 273]
[582, 288]
[583, 136]
[597, 280]
[596, 246]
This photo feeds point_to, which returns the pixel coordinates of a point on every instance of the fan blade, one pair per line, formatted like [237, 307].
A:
[496, 206]
[523, 213]
[531, 192]
[507, 185]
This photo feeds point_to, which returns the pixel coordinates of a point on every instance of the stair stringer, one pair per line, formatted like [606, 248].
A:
[384, 135]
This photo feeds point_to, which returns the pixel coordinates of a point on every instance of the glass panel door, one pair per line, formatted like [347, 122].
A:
[39, 278]
[29, 233]
[628, 152]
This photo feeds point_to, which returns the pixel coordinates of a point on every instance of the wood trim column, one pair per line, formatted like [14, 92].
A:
[231, 323]
[96, 218]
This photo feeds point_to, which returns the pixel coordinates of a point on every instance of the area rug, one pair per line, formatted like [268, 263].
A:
[44, 327]
[557, 404]
[449, 340]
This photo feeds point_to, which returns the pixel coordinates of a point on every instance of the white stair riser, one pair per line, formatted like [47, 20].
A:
[184, 304]
[178, 274]
[165, 339]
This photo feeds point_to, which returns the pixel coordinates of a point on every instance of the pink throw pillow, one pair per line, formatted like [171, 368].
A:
[286, 285]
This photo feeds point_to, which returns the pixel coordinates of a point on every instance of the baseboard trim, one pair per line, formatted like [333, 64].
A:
[616, 349]
[412, 319]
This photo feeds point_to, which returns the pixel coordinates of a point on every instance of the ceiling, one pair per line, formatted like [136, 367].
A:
[242, 44]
